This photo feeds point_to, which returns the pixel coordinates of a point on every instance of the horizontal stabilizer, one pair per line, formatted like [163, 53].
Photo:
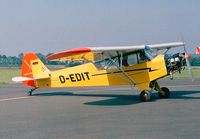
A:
[22, 79]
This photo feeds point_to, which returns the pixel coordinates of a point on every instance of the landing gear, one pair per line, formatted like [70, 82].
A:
[30, 93]
[145, 95]
[162, 92]
[166, 93]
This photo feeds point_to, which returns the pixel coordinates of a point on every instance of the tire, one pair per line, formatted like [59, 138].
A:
[166, 91]
[145, 96]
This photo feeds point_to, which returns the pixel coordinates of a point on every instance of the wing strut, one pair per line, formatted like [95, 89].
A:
[121, 69]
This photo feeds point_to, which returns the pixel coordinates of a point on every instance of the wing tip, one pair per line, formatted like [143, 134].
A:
[67, 53]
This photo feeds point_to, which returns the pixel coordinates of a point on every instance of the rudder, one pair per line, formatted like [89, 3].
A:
[33, 67]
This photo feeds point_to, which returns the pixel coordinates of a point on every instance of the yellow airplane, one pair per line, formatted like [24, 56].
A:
[139, 66]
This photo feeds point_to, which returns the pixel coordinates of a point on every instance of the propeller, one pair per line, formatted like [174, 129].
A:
[187, 56]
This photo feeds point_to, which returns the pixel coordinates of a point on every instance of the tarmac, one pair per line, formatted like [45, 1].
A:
[100, 112]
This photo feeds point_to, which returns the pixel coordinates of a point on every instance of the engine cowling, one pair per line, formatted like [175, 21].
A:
[174, 63]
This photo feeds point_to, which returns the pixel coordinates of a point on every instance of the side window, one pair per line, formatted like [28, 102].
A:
[142, 58]
[107, 64]
[128, 59]
[132, 59]
[112, 64]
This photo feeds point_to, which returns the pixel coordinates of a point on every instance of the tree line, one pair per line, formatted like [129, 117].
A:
[195, 60]
[12, 61]
[17, 60]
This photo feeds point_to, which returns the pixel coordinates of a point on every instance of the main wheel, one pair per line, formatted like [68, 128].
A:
[145, 95]
[166, 91]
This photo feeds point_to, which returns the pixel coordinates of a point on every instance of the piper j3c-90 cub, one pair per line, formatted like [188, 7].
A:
[137, 66]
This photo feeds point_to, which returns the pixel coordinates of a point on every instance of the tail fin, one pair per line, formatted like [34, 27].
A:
[33, 68]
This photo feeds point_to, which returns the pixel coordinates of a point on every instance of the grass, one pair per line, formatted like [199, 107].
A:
[6, 74]
[185, 73]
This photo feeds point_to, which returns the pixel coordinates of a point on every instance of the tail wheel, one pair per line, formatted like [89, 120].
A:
[30, 93]
[145, 95]
[166, 93]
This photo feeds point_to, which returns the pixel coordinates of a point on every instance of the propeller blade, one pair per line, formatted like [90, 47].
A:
[188, 64]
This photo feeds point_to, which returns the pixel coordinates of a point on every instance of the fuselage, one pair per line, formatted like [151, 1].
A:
[90, 75]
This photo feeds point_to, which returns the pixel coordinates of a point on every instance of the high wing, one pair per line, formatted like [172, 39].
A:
[73, 54]
[89, 53]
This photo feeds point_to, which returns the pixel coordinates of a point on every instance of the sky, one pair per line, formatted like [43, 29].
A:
[49, 26]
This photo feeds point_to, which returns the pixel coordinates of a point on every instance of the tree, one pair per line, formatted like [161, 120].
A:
[42, 57]
[20, 56]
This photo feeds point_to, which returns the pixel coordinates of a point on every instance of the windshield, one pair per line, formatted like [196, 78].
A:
[150, 53]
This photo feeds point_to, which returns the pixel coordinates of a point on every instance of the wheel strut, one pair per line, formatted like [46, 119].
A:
[30, 93]
[163, 92]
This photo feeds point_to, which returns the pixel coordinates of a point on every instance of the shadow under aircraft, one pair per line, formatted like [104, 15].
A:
[120, 100]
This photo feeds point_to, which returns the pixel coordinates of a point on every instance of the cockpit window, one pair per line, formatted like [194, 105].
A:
[108, 63]
[122, 60]
[132, 59]
[136, 58]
